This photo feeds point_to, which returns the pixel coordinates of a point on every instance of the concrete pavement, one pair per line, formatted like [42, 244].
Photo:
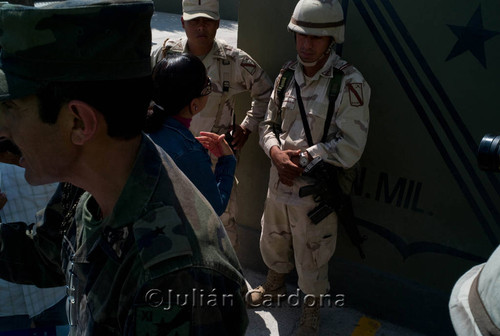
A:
[336, 318]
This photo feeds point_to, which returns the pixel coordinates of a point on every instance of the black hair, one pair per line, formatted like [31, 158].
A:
[177, 80]
[123, 103]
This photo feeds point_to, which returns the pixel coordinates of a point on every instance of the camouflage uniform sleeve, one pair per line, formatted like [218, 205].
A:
[31, 254]
[271, 121]
[255, 80]
[345, 146]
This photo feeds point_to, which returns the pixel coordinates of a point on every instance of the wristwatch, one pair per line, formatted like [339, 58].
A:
[303, 159]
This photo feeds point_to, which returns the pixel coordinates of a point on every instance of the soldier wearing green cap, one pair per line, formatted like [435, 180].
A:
[140, 250]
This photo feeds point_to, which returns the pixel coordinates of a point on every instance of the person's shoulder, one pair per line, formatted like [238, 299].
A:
[172, 137]
[289, 65]
[351, 73]
[175, 45]
[162, 239]
[237, 56]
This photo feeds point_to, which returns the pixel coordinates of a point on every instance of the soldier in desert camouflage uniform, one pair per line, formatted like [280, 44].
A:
[289, 239]
[141, 251]
[231, 71]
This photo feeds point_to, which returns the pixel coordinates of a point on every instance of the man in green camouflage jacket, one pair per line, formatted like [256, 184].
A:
[141, 251]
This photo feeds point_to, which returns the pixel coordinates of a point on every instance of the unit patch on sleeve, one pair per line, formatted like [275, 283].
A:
[356, 94]
[249, 65]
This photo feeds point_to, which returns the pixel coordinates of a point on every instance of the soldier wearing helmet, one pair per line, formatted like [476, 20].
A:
[332, 126]
[318, 19]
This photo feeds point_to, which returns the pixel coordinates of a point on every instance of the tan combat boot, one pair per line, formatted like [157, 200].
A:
[309, 321]
[273, 289]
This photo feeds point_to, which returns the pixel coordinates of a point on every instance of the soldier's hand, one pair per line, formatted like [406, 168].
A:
[282, 160]
[240, 137]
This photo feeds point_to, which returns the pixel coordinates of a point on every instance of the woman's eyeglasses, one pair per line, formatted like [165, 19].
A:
[207, 89]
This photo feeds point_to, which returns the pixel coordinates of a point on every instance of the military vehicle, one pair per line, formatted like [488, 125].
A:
[428, 211]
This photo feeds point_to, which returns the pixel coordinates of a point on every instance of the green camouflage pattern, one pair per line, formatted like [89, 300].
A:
[73, 40]
[160, 263]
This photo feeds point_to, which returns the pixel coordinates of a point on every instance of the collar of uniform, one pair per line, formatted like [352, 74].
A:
[218, 50]
[138, 188]
[326, 71]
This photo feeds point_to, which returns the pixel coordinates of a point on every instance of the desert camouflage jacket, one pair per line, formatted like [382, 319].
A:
[241, 73]
[160, 264]
[348, 130]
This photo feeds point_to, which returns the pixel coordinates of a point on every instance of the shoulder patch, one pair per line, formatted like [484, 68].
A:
[356, 94]
[172, 46]
[160, 235]
[249, 65]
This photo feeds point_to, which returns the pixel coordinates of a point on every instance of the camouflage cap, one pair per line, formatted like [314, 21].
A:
[192, 9]
[73, 40]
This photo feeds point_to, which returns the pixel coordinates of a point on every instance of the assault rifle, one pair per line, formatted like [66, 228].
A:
[327, 192]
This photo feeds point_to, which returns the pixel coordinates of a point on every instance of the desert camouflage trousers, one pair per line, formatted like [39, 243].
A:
[289, 239]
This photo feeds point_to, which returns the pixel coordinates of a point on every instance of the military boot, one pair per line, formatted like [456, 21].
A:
[309, 321]
[273, 289]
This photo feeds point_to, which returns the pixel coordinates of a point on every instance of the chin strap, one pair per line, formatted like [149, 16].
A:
[325, 54]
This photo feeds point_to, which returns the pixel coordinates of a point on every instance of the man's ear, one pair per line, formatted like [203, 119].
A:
[84, 121]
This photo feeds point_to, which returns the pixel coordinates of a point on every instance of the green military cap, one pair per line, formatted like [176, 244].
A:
[73, 40]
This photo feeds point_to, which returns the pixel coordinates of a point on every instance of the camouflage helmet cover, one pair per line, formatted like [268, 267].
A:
[318, 18]
[73, 40]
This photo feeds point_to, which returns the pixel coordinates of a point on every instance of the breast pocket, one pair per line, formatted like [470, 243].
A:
[316, 117]
[212, 106]
[288, 112]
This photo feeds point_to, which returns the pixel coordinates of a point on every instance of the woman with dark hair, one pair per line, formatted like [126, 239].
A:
[180, 90]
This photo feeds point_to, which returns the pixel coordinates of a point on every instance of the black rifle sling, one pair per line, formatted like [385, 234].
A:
[307, 130]
[333, 92]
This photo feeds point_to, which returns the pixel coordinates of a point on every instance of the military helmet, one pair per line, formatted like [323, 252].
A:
[318, 18]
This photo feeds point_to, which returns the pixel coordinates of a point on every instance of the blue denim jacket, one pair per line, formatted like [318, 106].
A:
[193, 160]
